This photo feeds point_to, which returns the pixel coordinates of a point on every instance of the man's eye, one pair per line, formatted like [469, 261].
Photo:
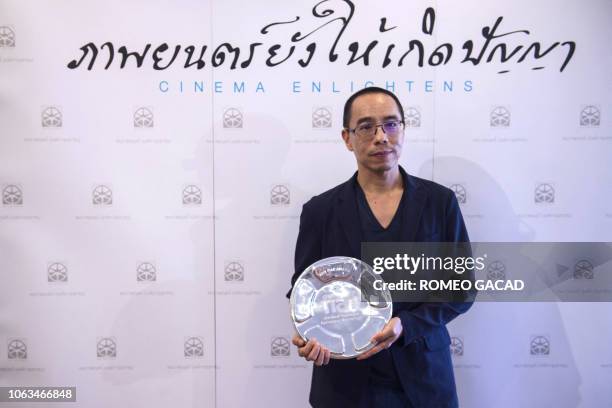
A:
[366, 126]
[391, 125]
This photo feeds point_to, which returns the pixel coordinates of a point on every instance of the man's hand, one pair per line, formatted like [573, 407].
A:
[384, 338]
[311, 351]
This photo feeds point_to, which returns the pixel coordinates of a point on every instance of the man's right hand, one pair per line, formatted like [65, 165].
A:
[311, 350]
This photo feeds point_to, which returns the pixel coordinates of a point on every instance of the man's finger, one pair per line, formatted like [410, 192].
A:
[375, 349]
[312, 356]
[321, 356]
[377, 337]
[381, 336]
[327, 357]
[298, 341]
[370, 352]
[304, 351]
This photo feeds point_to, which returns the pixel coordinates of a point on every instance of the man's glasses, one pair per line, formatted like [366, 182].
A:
[368, 130]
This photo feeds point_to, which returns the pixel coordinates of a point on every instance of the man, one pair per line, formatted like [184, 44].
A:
[410, 366]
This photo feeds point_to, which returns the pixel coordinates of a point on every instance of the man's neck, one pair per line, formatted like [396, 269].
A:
[380, 182]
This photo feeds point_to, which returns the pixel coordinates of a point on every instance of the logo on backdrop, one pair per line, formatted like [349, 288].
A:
[496, 271]
[17, 349]
[583, 269]
[301, 47]
[12, 195]
[193, 347]
[544, 193]
[234, 272]
[539, 346]
[57, 272]
[143, 117]
[146, 272]
[232, 118]
[321, 118]
[279, 195]
[412, 117]
[279, 347]
[500, 117]
[456, 346]
[192, 195]
[51, 117]
[106, 348]
[102, 195]
[590, 116]
[460, 193]
[7, 37]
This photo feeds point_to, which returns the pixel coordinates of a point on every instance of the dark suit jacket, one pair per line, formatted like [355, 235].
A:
[329, 226]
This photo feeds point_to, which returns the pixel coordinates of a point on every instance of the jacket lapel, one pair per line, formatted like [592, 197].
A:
[348, 216]
[416, 197]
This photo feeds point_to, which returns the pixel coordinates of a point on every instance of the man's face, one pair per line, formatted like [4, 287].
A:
[382, 151]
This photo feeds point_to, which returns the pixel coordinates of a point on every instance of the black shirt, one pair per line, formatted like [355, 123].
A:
[383, 370]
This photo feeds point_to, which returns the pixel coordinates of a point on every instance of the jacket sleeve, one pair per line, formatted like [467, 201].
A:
[428, 317]
[308, 246]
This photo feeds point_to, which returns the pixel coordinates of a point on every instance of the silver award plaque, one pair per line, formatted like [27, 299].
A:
[335, 301]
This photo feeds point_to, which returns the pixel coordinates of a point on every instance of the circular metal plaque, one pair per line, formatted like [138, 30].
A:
[334, 301]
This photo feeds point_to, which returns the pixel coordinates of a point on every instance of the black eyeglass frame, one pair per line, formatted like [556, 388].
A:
[380, 125]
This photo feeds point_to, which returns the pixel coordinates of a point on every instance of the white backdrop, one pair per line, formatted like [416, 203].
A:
[149, 216]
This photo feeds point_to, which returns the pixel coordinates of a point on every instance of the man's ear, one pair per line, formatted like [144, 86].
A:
[346, 136]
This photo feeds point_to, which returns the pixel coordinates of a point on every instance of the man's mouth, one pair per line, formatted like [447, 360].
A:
[382, 153]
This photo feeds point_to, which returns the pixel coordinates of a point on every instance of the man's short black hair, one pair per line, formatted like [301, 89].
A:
[346, 119]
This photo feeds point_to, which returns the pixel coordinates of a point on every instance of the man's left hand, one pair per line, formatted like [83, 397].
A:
[384, 338]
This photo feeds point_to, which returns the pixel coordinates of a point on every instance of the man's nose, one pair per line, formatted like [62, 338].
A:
[380, 136]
